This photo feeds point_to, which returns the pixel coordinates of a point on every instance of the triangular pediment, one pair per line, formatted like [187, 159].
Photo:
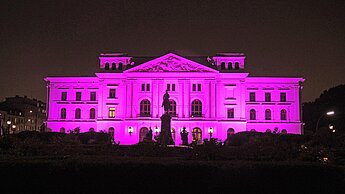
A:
[171, 63]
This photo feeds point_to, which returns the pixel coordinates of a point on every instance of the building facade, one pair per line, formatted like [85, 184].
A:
[22, 114]
[209, 96]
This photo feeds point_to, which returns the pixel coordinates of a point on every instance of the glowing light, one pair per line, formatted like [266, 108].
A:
[330, 113]
[8, 122]
[30, 111]
[331, 127]
[130, 130]
[156, 129]
[333, 130]
[14, 126]
[210, 130]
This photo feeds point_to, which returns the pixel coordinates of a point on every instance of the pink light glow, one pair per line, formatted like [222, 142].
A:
[219, 92]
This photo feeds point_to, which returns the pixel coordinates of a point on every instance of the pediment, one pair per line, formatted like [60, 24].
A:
[171, 63]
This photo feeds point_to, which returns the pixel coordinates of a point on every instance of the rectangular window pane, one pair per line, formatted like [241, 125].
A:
[173, 87]
[252, 96]
[142, 87]
[267, 97]
[147, 87]
[168, 87]
[112, 93]
[282, 97]
[78, 96]
[112, 112]
[194, 87]
[199, 87]
[92, 96]
[64, 96]
[231, 113]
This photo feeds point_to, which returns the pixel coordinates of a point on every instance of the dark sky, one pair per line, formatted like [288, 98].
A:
[64, 38]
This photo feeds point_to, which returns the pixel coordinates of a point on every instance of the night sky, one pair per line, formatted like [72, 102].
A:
[64, 38]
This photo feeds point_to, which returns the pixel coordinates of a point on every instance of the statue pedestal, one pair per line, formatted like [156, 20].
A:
[165, 137]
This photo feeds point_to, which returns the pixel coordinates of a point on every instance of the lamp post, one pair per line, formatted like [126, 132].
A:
[130, 131]
[210, 131]
[329, 113]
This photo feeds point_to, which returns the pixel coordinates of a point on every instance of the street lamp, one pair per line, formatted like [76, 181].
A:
[156, 129]
[210, 131]
[130, 131]
[8, 126]
[329, 113]
[13, 128]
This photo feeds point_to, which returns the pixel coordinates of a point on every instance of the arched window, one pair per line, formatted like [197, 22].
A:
[230, 132]
[237, 65]
[63, 113]
[142, 133]
[111, 132]
[145, 108]
[252, 130]
[284, 131]
[172, 110]
[173, 134]
[77, 113]
[268, 131]
[62, 130]
[92, 113]
[113, 66]
[92, 130]
[120, 66]
[252, 114]
[196, 108]
[267, 114]
[222, 66]
[283, 114]
[106, 66]
[197, 136]
[229, 65]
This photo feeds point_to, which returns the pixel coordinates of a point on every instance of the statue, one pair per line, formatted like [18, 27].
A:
[184, 136]
[166, 102]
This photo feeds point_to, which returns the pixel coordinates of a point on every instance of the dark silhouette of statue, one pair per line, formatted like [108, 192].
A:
[148, 135]
[184, 136]
[166, 101]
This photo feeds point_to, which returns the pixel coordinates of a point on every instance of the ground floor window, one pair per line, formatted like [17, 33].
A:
[111, 132]
[62, 130]
[197, 136]
[230, 132]
[142, 133]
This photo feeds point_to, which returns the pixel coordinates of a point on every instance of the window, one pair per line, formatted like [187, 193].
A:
[284, 131]
[107, 66]
[196, 108]
[282, 97]
[113, 66]
[267, 114]
[78, 96]
[111, 132]
[229, 65]
[143, 88]
[63, 96]
[283, 114]
[194, 87]
[237, 65]
[231, 113]
[145, 108]
[62, 130]
[112, 93]
[63, 113]
[173, 87]
[168, 87]
[252, 97]
[268, 131]
[230, 132]
[172, 110]
[252, 114]
[197, 136]
[112, 112]
[92, 113]
[92, 130]
[142, 133]
[222, 66]
[147, 87]
[77, 113]
[199, 87]
[92, 96]
[120, 66]
[173, 134]
[267, 97]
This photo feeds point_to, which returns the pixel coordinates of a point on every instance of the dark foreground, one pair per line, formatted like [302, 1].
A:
[97, 174]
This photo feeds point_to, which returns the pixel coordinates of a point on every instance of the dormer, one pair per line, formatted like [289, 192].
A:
[229, 61]
[114, 61]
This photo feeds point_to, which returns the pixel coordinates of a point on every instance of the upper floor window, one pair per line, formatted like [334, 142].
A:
[222, 66]
[283, 114]
[237, 65]
[63, 113]
[106, 66]
[92, 113]
[113, 66]
[112, 93]
[171, 87]
[252, 97]
[199, 87]
[194, 87]
[268, 114]
[229, 65]
[63, 96]
[145, 87]
[78, 96]
[252, 114]
[231, 113]
[77, 113]
[172, 110]
[196, 108]
[120, 66]
[267, 97]
[145, 108]
[282, 97]
[92, 96]
[112, 112]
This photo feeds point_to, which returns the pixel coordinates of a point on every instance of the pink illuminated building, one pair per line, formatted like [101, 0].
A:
[208, 95]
